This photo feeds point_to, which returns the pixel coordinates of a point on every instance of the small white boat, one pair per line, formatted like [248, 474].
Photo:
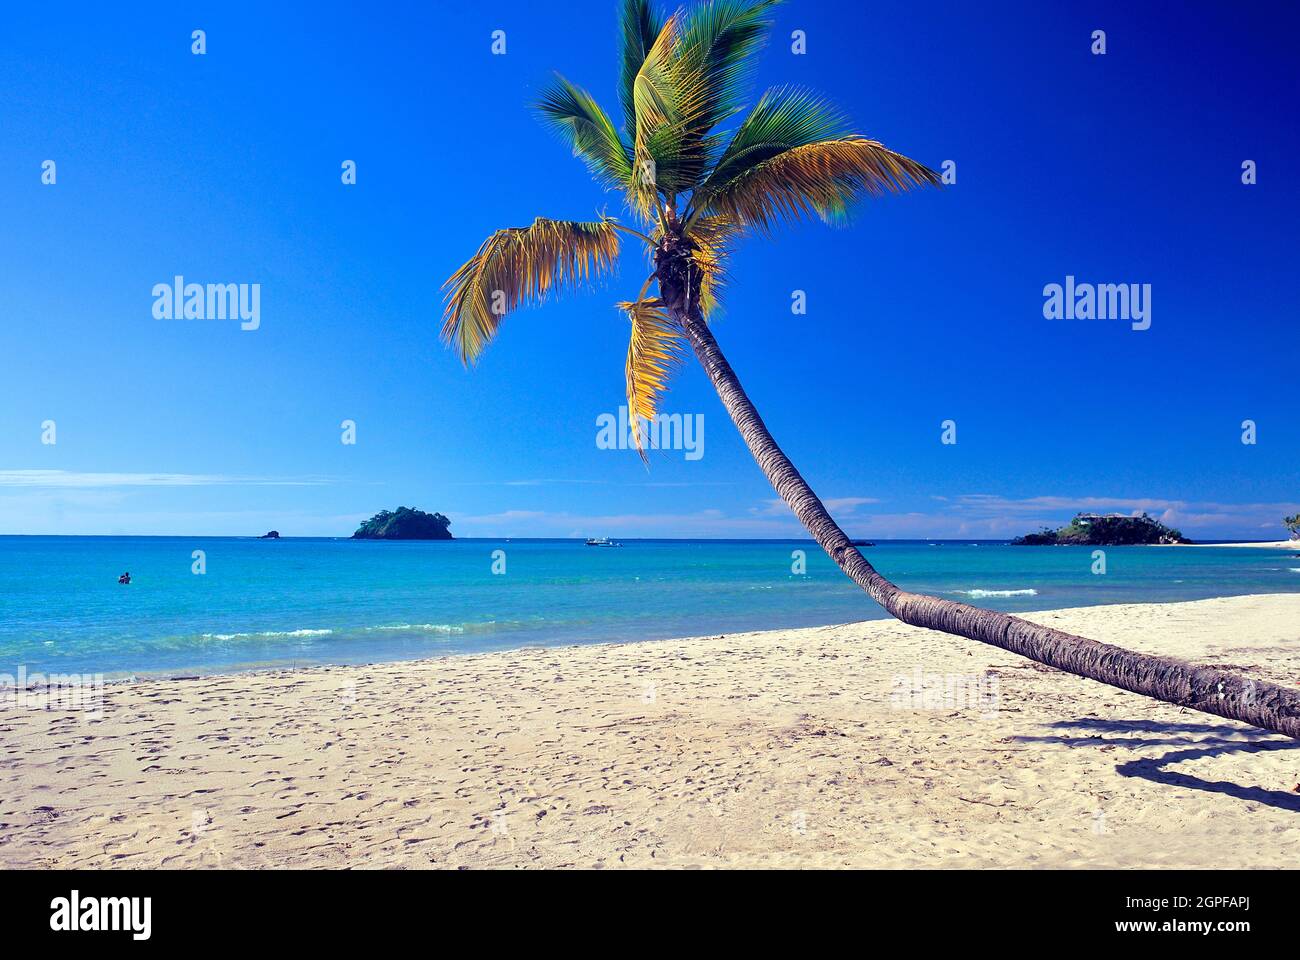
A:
[601, 542]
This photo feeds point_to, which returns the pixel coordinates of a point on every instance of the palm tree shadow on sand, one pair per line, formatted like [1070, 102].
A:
[1180, 735]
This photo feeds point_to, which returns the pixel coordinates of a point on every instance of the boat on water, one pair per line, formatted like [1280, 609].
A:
[602, 542]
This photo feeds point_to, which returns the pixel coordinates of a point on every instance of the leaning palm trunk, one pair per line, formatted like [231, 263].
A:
[793, 155]
[1201, 688]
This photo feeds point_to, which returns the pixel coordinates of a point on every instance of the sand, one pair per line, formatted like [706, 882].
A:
[1264, 545]
[1293, 545]
[794, 748]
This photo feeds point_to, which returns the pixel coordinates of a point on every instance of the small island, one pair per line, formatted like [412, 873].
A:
[1111, 530]
[270, 535]
[404, 523]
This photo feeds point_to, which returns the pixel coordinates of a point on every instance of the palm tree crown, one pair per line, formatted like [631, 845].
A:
[692, 187]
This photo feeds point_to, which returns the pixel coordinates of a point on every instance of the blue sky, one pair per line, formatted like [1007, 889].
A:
[1122, 168]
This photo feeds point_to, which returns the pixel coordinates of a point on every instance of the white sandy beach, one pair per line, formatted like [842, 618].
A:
[1263, 545]
[784, 748]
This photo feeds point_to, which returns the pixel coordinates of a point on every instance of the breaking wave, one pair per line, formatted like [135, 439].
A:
[266, 633]
[421, 628]
[981, 594]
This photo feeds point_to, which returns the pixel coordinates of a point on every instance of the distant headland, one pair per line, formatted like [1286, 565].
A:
[404, 523]
[1112, 530]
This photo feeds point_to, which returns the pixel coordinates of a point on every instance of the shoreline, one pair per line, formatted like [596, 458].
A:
[198, 673]
[803, 747]
[1249, 544]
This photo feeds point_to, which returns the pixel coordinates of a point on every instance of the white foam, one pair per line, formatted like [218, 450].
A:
[267, 633]
[980, 594]
[422, 628]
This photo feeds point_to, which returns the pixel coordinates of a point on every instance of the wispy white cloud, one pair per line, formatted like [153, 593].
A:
[973, 516]
[998, 504]
[848, 504]
[64, 479]
[552, 481]
[995, 517]
[105, 502]
[1193, 517]
[547, 481]
[505, 516]
[841, 506]
[990, 503]
[700, 523]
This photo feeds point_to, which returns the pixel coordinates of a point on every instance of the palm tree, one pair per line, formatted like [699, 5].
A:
[694, 190]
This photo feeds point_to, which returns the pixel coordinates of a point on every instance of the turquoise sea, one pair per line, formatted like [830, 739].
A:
[278, 603]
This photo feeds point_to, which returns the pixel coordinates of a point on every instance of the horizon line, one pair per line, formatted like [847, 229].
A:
[574, 539]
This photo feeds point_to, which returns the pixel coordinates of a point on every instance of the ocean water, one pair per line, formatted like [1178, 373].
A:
[290, 602]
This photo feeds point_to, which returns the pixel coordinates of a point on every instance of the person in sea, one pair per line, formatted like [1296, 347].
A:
[125, 578]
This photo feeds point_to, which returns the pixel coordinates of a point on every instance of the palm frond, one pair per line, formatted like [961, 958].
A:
[715, 52]
[573, 113]
[783, 118]
[689, 80]
[657, 103]
[641, 27]
[655, 349]
[712, 238]
[824, 178]
[520, 265]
